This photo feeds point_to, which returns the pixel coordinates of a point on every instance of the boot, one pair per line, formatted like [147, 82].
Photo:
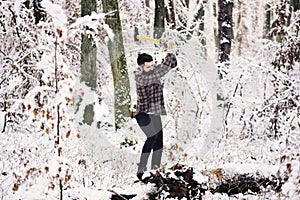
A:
[156, 159]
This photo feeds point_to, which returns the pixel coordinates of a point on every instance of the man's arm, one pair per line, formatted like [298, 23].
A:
[170, 60]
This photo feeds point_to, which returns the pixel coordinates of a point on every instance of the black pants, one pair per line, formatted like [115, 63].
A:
[152, 127]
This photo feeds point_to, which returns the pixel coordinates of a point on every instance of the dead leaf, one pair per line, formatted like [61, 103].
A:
[68, 134]
[59, 150]
[289, 167]
[59, 32]
[16, 187]
[51, 186]
[218, 173]
[42, 126]
[70, 100]
[48, 116]
[25, 164]
[282, 158]
[35, 112]
[278, 173]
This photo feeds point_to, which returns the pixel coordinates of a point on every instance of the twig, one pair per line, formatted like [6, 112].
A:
[15, 21]
[23, 72]
[61, 190]
[2, 81]
[2, 24]
[3, 52]
[4, 125]
[230, 104]
[175, 109]
[15, 64]
[57, 128]
[112, 191]
[236, 87]
[55, 66]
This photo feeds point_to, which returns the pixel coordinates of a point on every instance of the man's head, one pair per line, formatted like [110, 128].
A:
[145, 62]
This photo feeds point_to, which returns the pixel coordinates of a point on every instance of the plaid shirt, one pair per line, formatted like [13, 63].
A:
[150, 97]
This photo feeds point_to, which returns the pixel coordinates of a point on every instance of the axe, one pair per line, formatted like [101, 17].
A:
[137, 37]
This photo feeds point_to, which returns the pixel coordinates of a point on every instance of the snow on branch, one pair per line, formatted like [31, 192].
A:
[59, 16]
[93, 24]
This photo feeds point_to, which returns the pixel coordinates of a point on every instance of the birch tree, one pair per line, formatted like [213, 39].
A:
[118, 64]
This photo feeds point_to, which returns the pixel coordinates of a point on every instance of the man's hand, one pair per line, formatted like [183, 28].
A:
[167, 45]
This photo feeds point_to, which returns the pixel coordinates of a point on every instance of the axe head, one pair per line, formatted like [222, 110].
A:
[136, 32]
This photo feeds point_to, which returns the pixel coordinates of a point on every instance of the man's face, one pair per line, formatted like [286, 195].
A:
[148, 67]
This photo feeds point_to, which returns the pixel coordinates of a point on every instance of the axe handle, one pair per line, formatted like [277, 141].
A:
[140, 37]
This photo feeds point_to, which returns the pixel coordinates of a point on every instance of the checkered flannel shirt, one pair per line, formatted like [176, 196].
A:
[149, 88]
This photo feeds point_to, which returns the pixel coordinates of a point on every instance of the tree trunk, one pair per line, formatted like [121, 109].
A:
[267, 26]
[294, 6]
[147, 2]
[88, 60]
[118, 64]
[170, 14]
[200, 18]
[187, 3]
[225, 29]
[159, 18]
[38, 11]
[182, 24]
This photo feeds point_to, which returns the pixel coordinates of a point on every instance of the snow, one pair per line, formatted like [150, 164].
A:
[93, 21]
[57, 13]
[265, 170]
[224, 40]
[199, 131]
[2, 119]
[200, 178]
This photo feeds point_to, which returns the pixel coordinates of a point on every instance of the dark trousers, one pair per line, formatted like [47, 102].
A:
[152, 127]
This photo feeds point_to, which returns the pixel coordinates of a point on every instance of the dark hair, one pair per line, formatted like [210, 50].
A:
[142, 58]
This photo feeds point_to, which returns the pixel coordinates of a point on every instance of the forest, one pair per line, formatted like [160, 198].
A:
[68, 94]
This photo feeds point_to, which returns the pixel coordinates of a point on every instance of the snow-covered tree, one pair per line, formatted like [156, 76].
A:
[225, 29]
[118, 64]
[88, 60]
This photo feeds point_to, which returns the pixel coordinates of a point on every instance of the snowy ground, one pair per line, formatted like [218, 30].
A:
[97, 165]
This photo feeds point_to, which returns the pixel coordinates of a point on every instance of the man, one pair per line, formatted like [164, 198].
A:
[150, 106]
